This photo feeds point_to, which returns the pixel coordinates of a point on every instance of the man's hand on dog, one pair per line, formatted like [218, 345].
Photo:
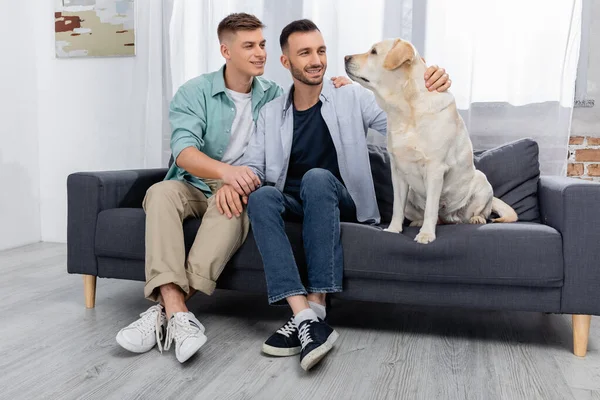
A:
[436, 78]
[229, 201]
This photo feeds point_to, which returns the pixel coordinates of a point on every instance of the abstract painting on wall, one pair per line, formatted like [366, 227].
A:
[94, 28]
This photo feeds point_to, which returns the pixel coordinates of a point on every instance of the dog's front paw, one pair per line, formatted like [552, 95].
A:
[425, 237]
[393, 229]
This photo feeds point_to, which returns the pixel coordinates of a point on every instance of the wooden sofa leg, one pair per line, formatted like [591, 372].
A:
[581, 332]
[89, 289]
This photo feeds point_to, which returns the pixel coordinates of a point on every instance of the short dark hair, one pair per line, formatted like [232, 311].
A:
[301, 25]
[238, 22]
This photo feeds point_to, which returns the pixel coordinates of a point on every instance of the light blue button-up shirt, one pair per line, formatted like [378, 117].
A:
[348, 112]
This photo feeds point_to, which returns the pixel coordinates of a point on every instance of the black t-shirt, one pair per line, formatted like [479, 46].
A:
[312, 147]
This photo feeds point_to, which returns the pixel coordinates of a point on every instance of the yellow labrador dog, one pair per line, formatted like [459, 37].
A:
[433, 174]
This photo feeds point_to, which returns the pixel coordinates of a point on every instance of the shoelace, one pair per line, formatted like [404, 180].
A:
[178, 327]
[158, 329]
[288, 329]
[304, 335]
[143, 324]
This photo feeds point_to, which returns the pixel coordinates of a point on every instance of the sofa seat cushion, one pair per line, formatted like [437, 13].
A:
[521, 254]
[120, 233]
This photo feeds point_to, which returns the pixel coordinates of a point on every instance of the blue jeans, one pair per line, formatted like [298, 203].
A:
[322, 203]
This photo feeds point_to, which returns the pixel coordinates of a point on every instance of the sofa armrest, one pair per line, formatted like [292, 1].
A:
[571, 206]
[89, 193]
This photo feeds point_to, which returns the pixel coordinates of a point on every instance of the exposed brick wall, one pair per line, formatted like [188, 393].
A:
[584, 158]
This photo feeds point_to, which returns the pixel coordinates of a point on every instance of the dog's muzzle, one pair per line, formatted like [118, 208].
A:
[348, 66]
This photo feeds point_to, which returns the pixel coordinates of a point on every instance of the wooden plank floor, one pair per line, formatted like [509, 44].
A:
[51, 347]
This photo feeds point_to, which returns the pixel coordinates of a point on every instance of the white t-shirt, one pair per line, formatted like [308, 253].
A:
[241, 129]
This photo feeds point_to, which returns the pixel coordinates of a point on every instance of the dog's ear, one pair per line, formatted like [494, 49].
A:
[400, 53]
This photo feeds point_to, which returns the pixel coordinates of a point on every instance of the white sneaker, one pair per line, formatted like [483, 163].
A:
[188, 334]
[143, 334]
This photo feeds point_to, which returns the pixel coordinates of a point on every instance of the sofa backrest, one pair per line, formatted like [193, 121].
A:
[512, 169]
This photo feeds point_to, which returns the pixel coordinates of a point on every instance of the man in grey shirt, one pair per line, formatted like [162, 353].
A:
[310, 152]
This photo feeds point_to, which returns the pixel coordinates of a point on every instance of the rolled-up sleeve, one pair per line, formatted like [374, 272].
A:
[188, 122]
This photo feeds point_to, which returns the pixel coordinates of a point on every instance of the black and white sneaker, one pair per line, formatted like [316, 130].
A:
[284, 342]
[188, 334]
[317, 339]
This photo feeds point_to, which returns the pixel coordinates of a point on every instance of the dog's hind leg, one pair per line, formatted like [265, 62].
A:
[480, 205]
[479, 209]
[414, 215]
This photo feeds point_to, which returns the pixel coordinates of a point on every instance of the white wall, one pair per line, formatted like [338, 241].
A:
[586, 121]
[19, 168]
[85, 121]
[59, 116]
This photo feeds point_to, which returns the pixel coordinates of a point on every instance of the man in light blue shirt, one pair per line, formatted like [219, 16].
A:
[310, 153]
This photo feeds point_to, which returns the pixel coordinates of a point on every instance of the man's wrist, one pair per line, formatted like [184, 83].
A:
[222, 170]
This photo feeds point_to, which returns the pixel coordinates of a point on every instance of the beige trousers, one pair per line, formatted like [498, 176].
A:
[167, 204]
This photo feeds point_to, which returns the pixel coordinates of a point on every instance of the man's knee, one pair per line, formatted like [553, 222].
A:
[316, 181]
[264, 198]
[161, 193]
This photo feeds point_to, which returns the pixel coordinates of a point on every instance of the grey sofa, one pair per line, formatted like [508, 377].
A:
[546, 262]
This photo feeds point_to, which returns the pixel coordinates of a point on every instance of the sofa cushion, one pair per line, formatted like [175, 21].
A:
[512, 170]
[520, 254]
[120, 233]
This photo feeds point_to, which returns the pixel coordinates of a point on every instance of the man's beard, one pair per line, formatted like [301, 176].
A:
[299, 75]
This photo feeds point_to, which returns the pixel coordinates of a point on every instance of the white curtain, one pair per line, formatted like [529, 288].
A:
[152, 89]
[513, 66]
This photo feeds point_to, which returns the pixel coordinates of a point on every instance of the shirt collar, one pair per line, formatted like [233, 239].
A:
[218, 85]
[326, 93]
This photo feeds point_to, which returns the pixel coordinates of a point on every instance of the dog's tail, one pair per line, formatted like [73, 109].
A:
[506, 212]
